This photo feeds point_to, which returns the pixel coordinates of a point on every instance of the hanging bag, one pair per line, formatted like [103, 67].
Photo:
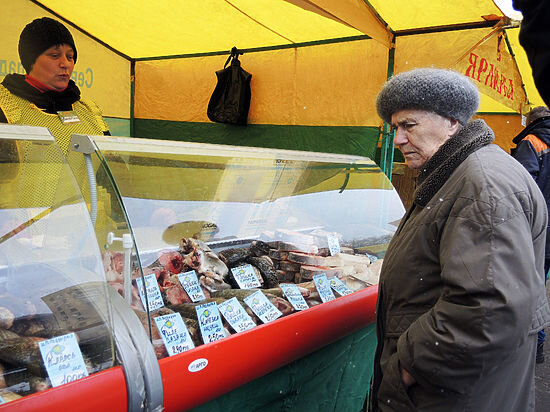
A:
[230, 100]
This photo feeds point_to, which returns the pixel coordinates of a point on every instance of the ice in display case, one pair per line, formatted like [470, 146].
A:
[237, 245]
[57, 312]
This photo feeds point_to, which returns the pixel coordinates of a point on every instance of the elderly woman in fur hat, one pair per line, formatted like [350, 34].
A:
[46, 96]
[461, 293]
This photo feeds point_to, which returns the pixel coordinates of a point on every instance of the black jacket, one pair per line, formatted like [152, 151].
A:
[534, 36]
[50, 101]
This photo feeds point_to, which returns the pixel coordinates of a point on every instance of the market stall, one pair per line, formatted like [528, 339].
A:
[236, 264]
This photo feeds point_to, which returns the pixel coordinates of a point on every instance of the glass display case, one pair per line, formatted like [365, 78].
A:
[237, 245]
[57, 312]
[177, 272]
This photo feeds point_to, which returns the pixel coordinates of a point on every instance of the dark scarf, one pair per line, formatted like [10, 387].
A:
[50, 101]
[450, 155]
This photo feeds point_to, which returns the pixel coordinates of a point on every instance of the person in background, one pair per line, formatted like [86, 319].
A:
[533, 152]
[461, 294]
[46, 96]
[534, 36]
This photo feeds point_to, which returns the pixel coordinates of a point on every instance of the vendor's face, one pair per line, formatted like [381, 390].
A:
[54, 67]
[419, 134]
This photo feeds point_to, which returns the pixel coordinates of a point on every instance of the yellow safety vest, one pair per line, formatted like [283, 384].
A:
[39, 183]
[20, 111]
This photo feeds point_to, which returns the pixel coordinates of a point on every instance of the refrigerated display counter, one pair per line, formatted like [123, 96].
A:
[262, 256]
[220, 267]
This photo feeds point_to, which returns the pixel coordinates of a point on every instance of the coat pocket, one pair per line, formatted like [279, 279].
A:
[392, 394]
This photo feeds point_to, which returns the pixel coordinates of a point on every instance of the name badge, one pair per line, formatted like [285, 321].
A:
[68, 117]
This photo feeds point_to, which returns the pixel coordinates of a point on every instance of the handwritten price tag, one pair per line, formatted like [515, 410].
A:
[333, 244]
[294, 296]
[210, 322]
[191, 285]
[153, 292]
[323, 287]
[262, 307]
[235, 314]
[174, 333]
[339, 286]
[245, 277]
[63, 360]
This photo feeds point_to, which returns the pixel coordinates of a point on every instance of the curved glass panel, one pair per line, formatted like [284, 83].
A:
[55, 321]
[212, 223]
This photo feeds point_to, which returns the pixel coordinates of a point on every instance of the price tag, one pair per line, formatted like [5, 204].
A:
[262, 307]
[372, 258]
[235, 314]
[174, 333]
[323, 287]
[294, 296]
[191, 284]
[333, 244]
[339, 286]
[63, 359]
[245, 277]
[210, 322]
[2, 401]
[153, 292]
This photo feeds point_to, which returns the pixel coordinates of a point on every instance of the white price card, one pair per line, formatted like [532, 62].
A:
[153, 292]
[339, 286]
[63, 359]
[235, 315]
[210, 322]
[262, 307]
[333, 244]
[323, 287]
[2, 401]
[294, 296]
[372, 258]
[245, 277]
[191, 284]
[174, 333]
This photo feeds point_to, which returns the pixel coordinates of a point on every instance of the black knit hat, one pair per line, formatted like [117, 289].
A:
[38, 36]
[445, 92]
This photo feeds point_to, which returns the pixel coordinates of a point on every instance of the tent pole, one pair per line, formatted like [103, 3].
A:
[386, 155]
[132, 96]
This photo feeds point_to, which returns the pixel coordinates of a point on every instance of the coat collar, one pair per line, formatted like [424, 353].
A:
[450, 155]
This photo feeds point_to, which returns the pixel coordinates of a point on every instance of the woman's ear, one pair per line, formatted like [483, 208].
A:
[454, 126]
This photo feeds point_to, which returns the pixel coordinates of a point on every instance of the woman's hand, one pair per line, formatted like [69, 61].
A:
[406, 377]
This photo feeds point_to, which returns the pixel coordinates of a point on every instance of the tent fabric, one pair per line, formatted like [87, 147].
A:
[144, 29]
[329, 85]
[354, 140]
[151, 66]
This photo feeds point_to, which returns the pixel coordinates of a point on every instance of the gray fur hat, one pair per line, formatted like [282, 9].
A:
[445, 92]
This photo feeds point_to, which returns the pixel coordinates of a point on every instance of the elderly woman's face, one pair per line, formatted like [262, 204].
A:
[54, 67]
[419, 134]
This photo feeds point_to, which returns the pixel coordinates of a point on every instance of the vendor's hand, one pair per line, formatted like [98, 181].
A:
[407, 378]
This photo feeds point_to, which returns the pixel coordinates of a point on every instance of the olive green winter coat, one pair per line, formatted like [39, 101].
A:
[461, 292]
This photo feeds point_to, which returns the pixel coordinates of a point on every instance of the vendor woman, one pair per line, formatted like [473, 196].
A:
[46, 96]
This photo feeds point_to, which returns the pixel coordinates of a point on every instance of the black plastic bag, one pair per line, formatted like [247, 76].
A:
[230, 100]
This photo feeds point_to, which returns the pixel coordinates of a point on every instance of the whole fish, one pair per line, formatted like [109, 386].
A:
[21, 351]
[266, 268]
